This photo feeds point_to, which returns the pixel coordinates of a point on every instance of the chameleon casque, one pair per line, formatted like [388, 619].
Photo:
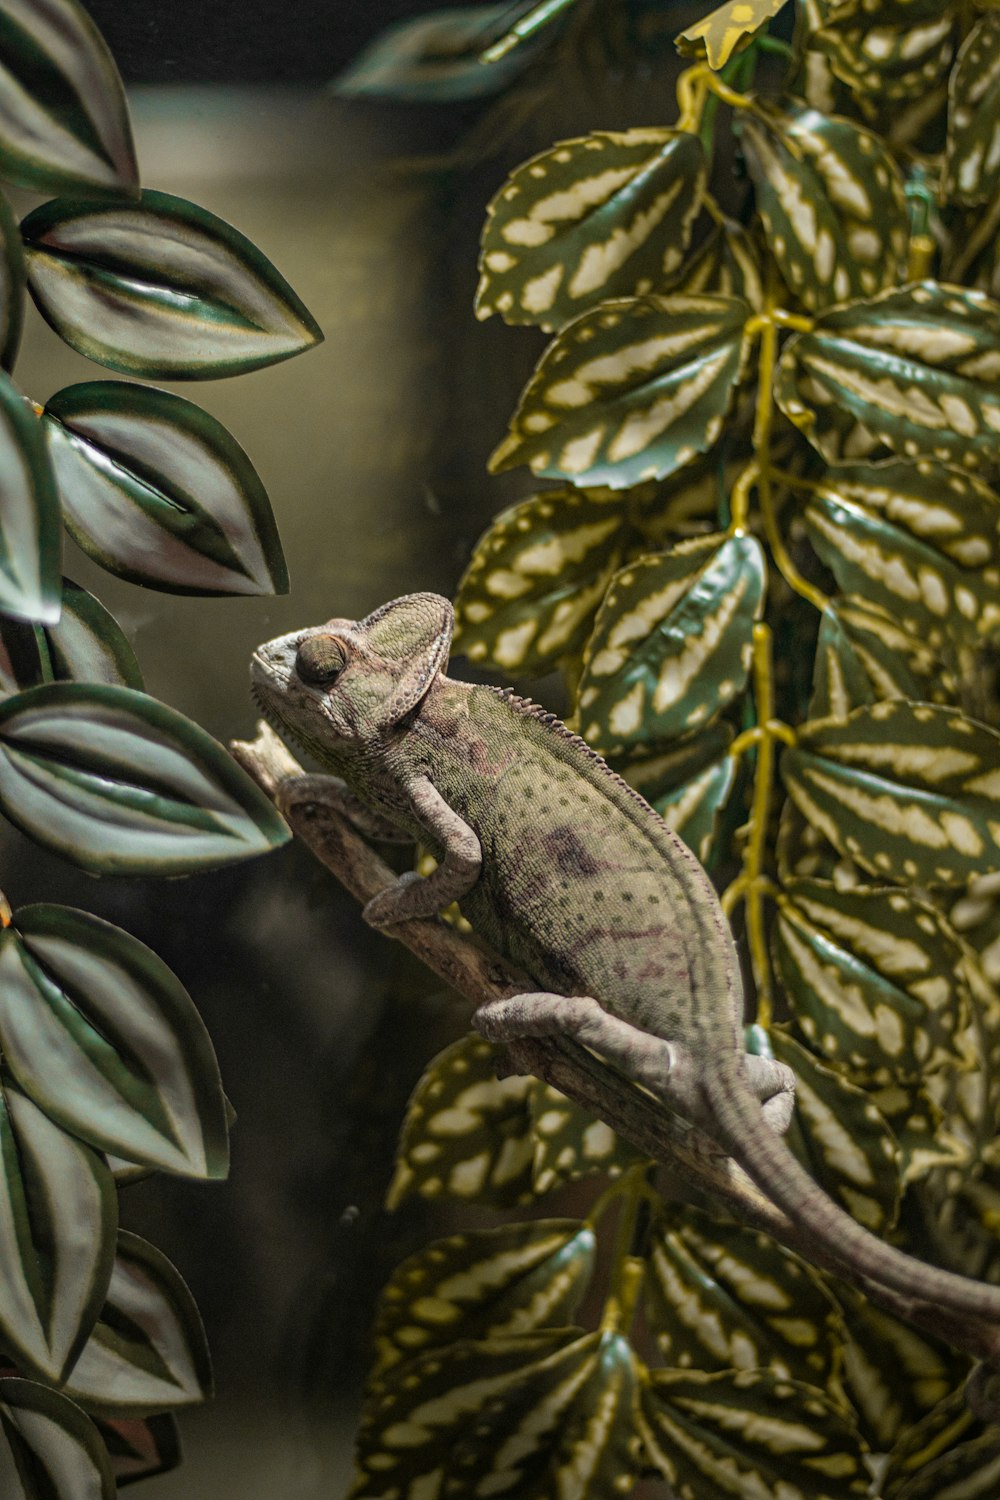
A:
[571, 876]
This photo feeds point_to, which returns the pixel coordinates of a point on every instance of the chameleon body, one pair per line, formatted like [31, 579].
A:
[570, 875]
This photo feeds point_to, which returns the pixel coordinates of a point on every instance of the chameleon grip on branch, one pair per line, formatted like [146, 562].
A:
[571, 876]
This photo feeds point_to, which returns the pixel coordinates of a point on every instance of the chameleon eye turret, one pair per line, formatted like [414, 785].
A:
[320, 659]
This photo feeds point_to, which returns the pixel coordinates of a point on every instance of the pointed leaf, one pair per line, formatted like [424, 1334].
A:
[117, 782]
[916, 368]
[158, 492]
[725, 264]
[13, 273]
[630, 391]
[161, 288]
[911, 791]
[893, 1374]
[29, 517]
[86, 645]
[968, 1471]
[972, 158]
[672, 642]
[57, 1450]
[530, 592]
[750, 1433]
[520, 1278]
[922, 1134]
[608, 215]
[570, 1143]
[140, 1447]
[58, 1217]
[101, 1034]
[863, 655]
[467, 1134]
[689, 785]
[65, 125]
[894, 59]
[727, 29]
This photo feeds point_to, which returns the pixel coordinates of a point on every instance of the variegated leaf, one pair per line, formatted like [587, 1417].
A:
[86, 645]
[831, 201]
[102, 1035]
[672, 642]
[520, 1278]
[955, 1459]
[630, 391]
[13, 274]
[892, 61]
[29, 516]
[570, 1143]
[56, 1449]
[972, 159]
[840, 1137]
[669, 510]
[65, 125]
[725, 264]
[58, 1217]
[531, 590]
[743, 1433]
[893, 1374]
[875, 981]
[467, 1134]
[161, 288]
[608, 215]
[140, 1447]
[723, 1297]
[863, 655]
[533, 1415]
[919, 540]
[917, 368]
[727, 29]
[911, 791]
[689, 785]
[920, 1129]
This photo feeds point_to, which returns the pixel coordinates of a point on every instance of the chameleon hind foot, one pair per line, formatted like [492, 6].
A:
[774, 1085]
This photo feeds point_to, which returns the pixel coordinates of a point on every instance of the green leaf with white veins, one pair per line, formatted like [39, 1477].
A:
[688, 784]
[831, 201]
[158, 492]
[893, 1373]
[570, 1143]
[65, 125]
[630, 391]
[102, 1036]
[972, 157]
[862, 655]
[86, 645]
[161, 288]
[29, 516]
[911, 791]
[119, 783]
[58, 1218]
[894, 58]
[672, 642]
[57, 1450]
[608, 215]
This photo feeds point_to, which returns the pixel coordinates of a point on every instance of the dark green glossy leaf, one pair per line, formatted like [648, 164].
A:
[161, 288]
[140, 1447]
[831, 201]
[744, 1433]
[58, 1217]
[916, 368]
[101, 1034]
[147, 1352]
[520, 1278]
[911, 791]
[972, 159]
[672, 642]
[688, 784]
[967, 1471]
[57, 1450]
[29, 517]
[13, 275]
[117, 782]
[630, 391]
[863, 655]
[725, 265]
[607, 215]
[570, 1143]
[530, 592]
[158, 492]
[467, 1134]
[86, 645]
[892, 59]
[65, 125]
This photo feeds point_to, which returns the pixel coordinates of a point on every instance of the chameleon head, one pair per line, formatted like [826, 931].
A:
[345, 684]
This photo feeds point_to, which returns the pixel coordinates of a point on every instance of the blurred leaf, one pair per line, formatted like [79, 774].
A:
[58, 1217]
[895, 58]
[570, 1143]
[972, 160]
[65, 125]
[723, 1297]
[916, 368]
[892, 1373]
[874, 979]
[467, 1134]
[747, 1432]
[688, 784]
[105, 1039]
[911, 791]
[725, 264]
[119, 783]
[517, 1279]
[57, 1451]
[831, 201]
[13, 275]
[923, 1135]
[147, 1352]
[672, 641]
[29, 517]
[86, 645]
[536, 577]
[161, 288]
[727, 29]
[966, 1471]
[140, 1447]
[608, 215]
[863, 656]
[158, 492]
[629, 391]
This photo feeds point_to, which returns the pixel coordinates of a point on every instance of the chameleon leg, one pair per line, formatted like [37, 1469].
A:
[330, 791]
[774, 1085]
[462, 857]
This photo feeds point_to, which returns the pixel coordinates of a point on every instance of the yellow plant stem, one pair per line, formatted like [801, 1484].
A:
[628, 1268]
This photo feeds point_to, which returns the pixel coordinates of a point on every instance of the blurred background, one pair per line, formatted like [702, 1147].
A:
[373, 450]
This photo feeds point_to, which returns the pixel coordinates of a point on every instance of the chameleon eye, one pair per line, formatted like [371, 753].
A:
[320, 659]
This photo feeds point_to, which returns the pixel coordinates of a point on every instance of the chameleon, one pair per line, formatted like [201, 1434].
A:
[567, 872]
